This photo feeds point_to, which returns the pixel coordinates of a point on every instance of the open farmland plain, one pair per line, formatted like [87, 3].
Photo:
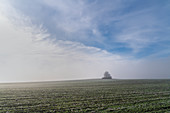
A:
[86, 96]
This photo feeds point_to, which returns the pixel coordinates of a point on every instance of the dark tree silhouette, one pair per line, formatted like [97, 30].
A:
[107, 75]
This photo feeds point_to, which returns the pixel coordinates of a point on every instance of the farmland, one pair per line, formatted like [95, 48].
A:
[86, 96]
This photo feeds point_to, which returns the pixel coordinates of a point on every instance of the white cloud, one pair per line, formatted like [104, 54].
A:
[141, 29]
[27, 53]
[99, 23]
[137, 29]
[71, 15]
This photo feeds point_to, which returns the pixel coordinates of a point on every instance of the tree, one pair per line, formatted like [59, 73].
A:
[107, 75]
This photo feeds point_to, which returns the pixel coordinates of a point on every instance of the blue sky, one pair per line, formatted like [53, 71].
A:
[134, 28]
[106, 34]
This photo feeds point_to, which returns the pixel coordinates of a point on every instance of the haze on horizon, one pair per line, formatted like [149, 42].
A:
[42, 40]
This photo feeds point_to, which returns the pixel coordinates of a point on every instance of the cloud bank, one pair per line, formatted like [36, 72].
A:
[27, 53]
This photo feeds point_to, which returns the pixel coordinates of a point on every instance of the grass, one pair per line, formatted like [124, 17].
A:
[104, 96]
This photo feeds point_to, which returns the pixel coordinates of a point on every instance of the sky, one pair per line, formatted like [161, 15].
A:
[50, 40]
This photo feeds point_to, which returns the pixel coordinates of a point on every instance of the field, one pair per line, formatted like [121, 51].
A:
[94, 96]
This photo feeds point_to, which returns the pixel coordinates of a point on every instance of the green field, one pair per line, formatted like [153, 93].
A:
[86, 96]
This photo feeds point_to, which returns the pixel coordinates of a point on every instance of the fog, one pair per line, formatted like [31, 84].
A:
[28, 53]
